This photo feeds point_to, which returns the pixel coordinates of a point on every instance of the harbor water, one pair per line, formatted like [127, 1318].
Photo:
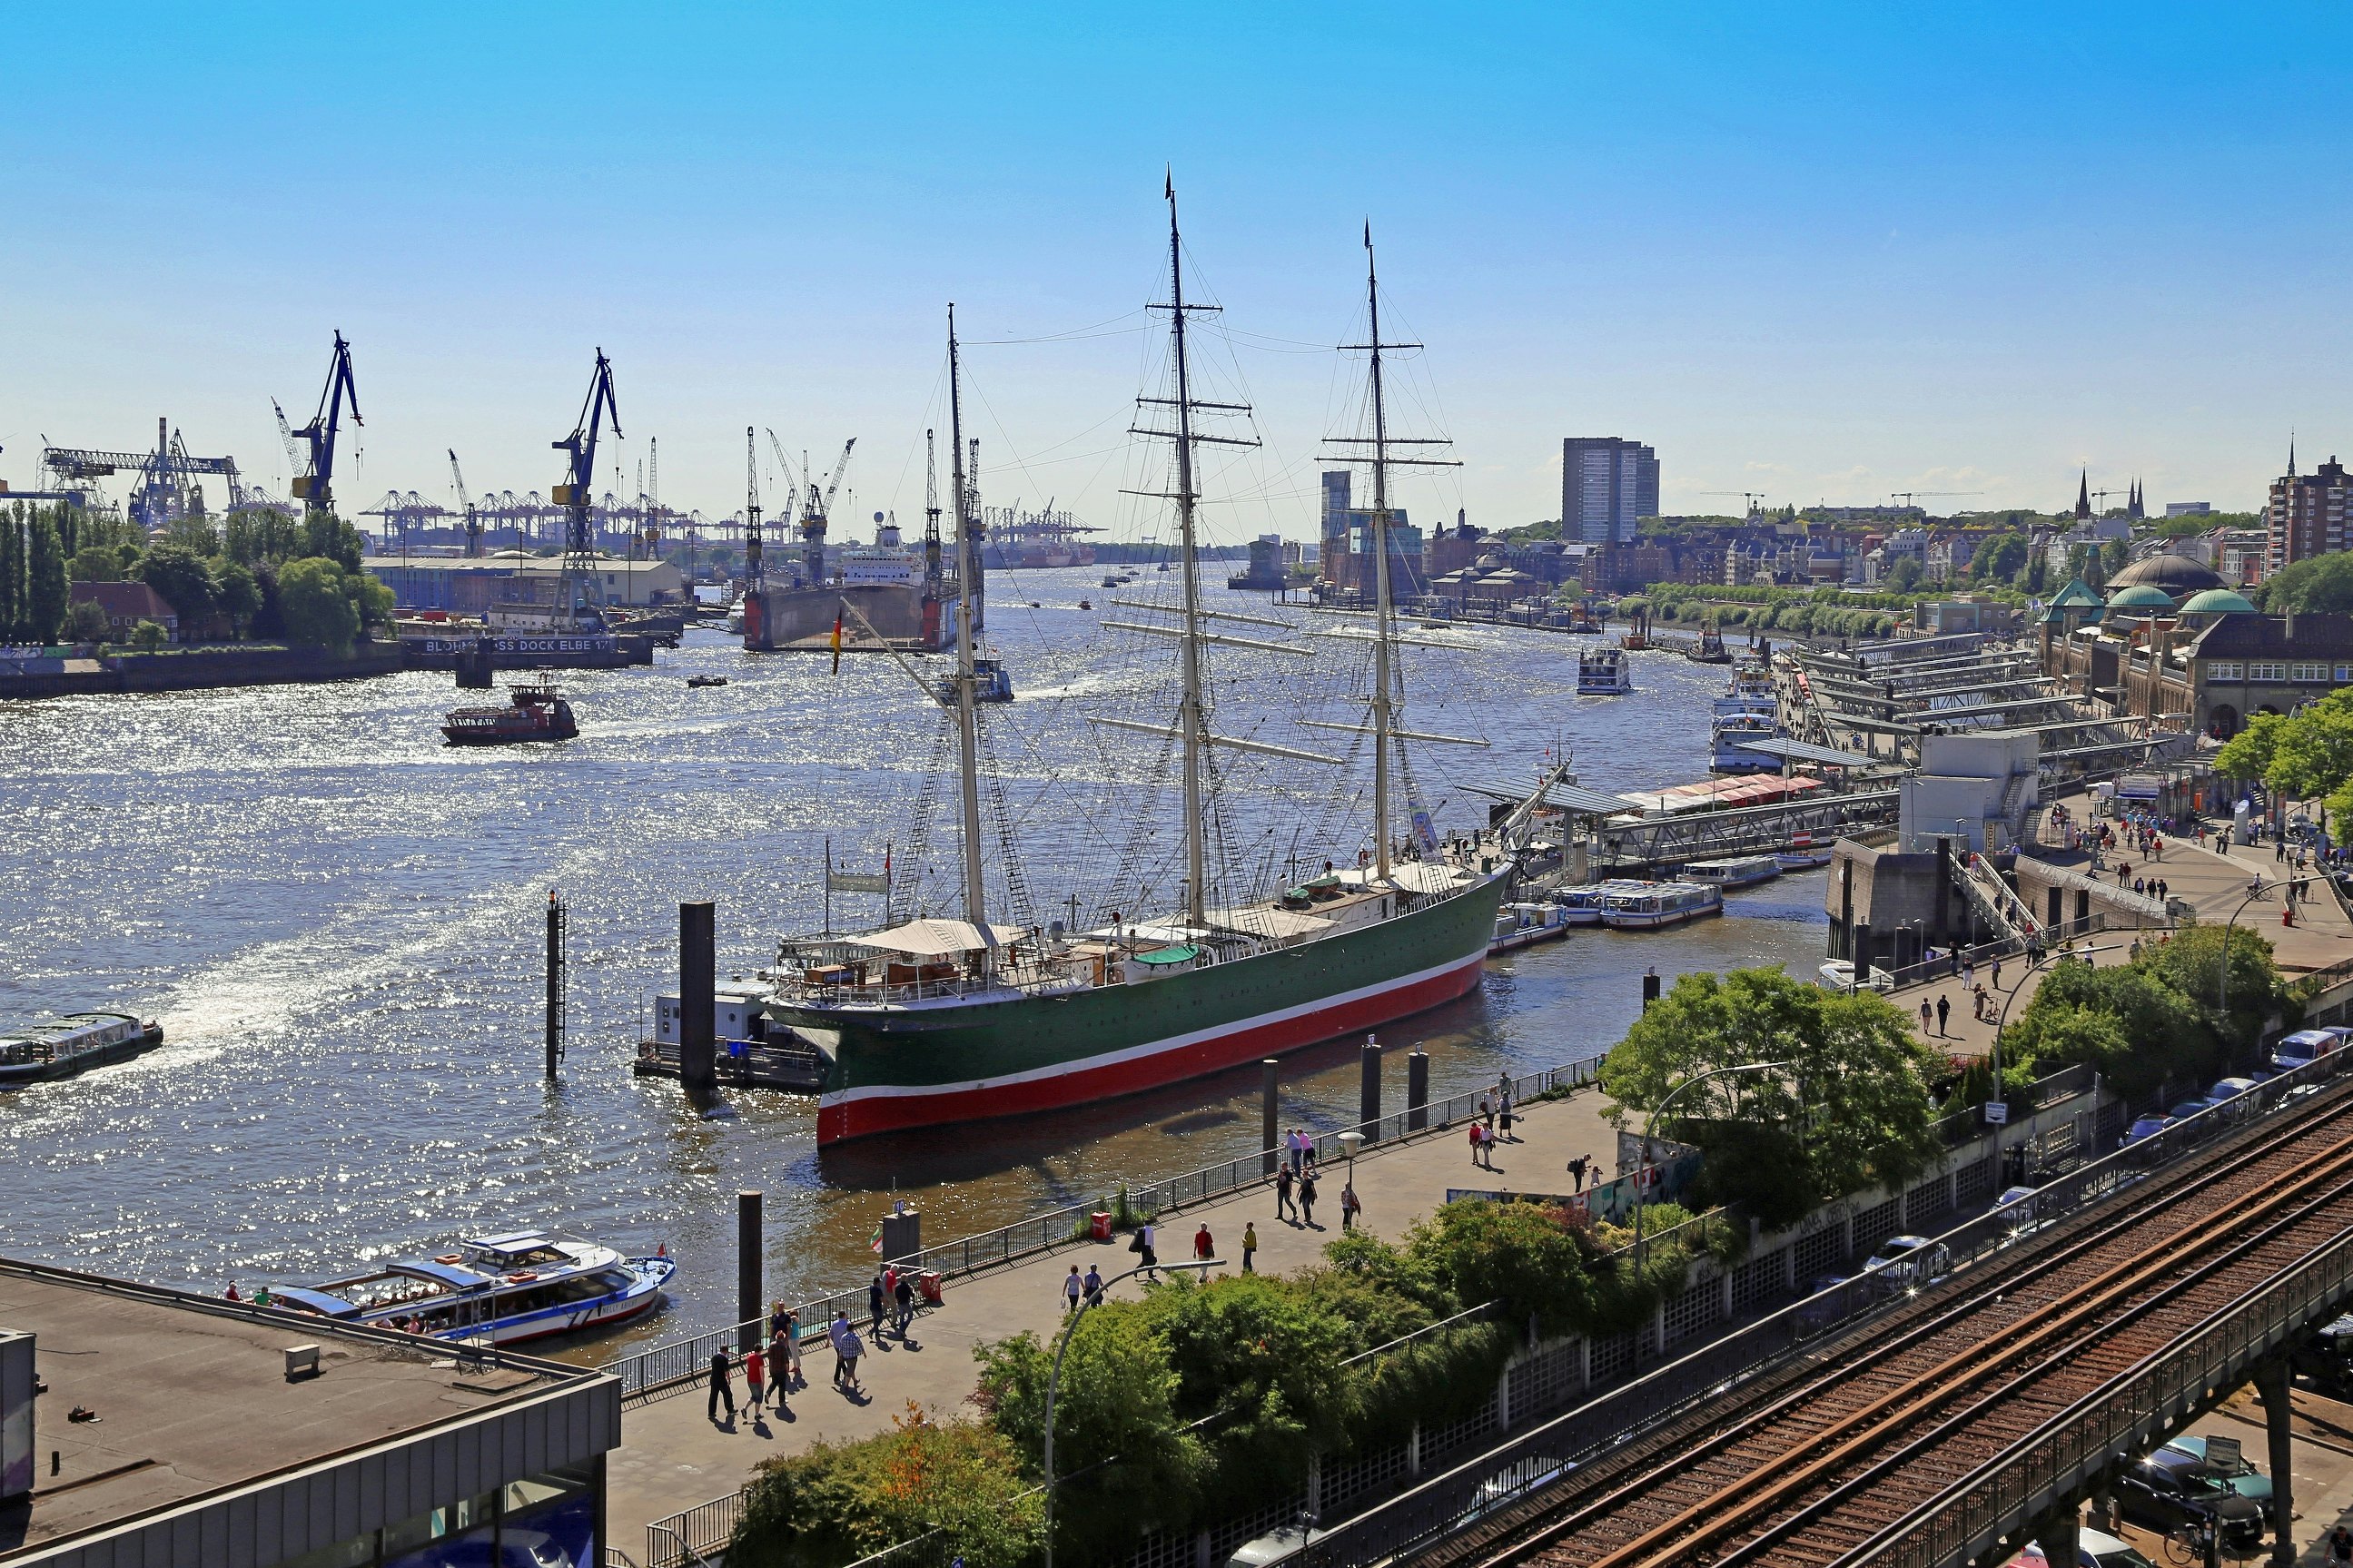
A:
[337, 921]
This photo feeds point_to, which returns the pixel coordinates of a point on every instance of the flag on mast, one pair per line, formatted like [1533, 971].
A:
[837, 642]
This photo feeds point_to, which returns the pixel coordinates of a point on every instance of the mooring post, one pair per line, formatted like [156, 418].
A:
[554, 982]
[1270, 1136]
[1649, 986]
[749, 1313]
[1417, 1090]
[1368, 1086]
[697, 964]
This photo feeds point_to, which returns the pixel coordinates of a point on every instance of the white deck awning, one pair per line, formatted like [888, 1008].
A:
[936, 939]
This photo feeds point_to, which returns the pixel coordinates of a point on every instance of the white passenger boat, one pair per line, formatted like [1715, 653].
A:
[1838, 974]
[499, 1289]
[1727, 754]
[73, 1044]
[1734, 871]
[1523, 925]
[1603, 672]
[1652, 905]
[1582, 906]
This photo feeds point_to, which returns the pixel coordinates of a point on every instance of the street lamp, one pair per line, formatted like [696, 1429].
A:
[2222, 985]
[1054, 1382]
[1652, 1120]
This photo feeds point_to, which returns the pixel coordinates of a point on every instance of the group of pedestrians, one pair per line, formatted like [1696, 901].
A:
[772, 1365]
[1295, 1192]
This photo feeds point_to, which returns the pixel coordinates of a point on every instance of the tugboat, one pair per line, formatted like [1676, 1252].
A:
[699, 680]
[533, 713]
[1710, 648]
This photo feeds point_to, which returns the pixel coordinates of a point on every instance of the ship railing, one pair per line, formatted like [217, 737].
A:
[1125, 1203]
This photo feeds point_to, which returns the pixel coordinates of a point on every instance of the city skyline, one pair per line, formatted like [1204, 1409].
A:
[1824, 256]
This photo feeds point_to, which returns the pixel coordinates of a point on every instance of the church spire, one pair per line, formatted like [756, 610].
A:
[2290, 451]
[2084, 495]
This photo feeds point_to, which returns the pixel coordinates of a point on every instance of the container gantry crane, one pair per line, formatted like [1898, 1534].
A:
[576, 494]
[314, 484]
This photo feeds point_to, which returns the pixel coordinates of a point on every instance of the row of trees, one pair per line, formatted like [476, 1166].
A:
[33, 588]
[2319, 583]
[2303, 755]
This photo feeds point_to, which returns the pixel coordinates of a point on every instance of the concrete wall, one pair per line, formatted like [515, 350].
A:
[198, 670]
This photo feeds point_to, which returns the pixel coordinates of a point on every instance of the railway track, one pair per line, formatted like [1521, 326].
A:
[1802, 1468]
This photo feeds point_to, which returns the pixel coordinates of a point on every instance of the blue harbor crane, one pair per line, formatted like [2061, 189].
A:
[577, 496]
[314, 487]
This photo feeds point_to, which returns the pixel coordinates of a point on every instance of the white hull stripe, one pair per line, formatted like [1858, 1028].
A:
[1154, 1048]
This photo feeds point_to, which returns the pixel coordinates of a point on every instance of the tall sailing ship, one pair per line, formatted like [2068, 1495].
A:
[941, 1020]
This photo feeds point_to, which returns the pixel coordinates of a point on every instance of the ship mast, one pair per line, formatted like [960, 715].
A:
[967, 726]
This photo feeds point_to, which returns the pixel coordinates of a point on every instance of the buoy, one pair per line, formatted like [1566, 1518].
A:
[662, 1251]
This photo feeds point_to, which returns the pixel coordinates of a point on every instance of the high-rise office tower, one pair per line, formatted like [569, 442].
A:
[1605, 484]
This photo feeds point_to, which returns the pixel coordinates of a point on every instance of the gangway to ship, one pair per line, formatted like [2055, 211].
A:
[1648, 841]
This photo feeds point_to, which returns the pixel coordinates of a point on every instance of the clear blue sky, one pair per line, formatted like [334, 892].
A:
[1825, 252]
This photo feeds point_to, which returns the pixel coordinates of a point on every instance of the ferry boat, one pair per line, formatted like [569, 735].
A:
[527, 1285]
[73, 1044]
[1656, 904]
[1802, 853]
[1734, 871]
[1603, 672]
[1725, 733]
[533, 713]
[942, 1020]
[1582, 906]
[1525, 924]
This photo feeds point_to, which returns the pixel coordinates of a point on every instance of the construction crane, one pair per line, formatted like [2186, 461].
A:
[785, 466]
[751, 539]
[166, 475]
[818, 509]
[1754, 498]
[314, 483]
[1905, 495]
[466, 503]
[576, 494]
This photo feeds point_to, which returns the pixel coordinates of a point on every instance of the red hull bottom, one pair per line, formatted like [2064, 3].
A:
[1083, 1085]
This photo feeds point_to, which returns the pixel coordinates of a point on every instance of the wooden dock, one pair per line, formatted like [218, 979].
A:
[744, 1064]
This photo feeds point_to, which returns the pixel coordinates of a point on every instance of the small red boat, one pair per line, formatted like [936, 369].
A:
[533, 713]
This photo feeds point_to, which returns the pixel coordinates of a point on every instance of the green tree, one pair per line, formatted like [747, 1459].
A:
[1999, 557]
[194, 533]
[1905, 575]
[86, 622]
[1856, 1099]
[315, 605]
[371, 599]
[12, 574]
[1518, 1254]
[2191, 963]
[261, 535]
[2166, 1031]
[96, 563]
[184, 580]
[2319, 583]
[2248, 754]
[148, 635]
[234, 593]
[43, 615]
[324, 533]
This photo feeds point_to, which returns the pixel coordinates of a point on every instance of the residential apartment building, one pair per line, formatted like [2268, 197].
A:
[2308, 515]
[1606, 484]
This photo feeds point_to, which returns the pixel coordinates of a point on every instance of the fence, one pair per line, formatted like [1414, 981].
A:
[677, 1361]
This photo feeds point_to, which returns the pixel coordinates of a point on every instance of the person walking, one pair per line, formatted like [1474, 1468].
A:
[1250, 1244]
[1478, 1141]
[1943, 1007]
[776, 1322]
[755, 1379]
[1350, 1206]
[1307, 1199]
[1577, 1167]
[1968, 973]
[791, 1335]
[1503, 1116]
[1282, 1204]
[1094, 1283]
[2340, 1545]
[1072, 1287]
[721, 1392]
[874, 1304]
[780, 1358]
[1997, 973]
[1925, 1012]
[1204, 1248]
[1487, 1111]
[1146, 1234]
[841, 1336]
[904, 1296]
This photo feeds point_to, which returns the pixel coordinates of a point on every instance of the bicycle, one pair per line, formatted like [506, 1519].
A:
[2186, 1544]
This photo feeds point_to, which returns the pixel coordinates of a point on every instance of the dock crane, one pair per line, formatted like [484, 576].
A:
[752, 541]
[817, 510]
[1905, 495]
[466, 503]
[576, 494]
[314, 483]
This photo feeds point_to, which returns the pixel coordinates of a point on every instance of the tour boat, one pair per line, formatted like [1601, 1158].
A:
[957, 1017]
[1734, 871]
[73, 1044]
[1603, 672]
[1726, 751]
[533, 713]
[503, 1289]
[1655, 904]
[1525, 924]
[1582, 906]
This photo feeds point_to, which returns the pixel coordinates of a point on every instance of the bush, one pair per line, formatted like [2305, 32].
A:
[86, 623]
[314, 606]
[1525, 1257]
[147, 637]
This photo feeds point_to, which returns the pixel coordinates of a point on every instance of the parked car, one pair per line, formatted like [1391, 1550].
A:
[2230, 1089]
[2020, 1207]
[1820, 1310]
[2240, 1474]
[2165, 1495]
[2189, 1108]
[2306, 1046]
[1275, 1546]
[2325, 1358]
[2093, 1549]
[1908, 1262]
[2146, 1127]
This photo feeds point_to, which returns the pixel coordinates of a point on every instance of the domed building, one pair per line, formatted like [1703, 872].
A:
[2176, 576]
[2217, 602]
[2139, 599]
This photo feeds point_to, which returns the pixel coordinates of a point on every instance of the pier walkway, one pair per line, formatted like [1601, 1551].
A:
[2213, 882]
[672, 1457]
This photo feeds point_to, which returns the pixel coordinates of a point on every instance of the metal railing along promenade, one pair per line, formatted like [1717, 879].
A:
[678, 1361]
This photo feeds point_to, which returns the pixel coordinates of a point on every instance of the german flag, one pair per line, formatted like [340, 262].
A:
[837, 642]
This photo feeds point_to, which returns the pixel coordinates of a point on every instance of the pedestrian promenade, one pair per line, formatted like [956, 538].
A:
[672, 1457]
[2214, 881]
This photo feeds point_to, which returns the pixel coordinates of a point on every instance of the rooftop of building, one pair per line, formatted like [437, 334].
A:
[123, 600]
[2176, 576]
[192, 1398]
[2308, 635]
[2217, 602]
[2141, 596]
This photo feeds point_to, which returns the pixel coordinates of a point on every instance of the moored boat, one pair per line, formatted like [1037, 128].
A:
[1651, 905]
[1525, 924]
[532, 713]
[505, 1289]
[74, 1044]
[1732, 871]
[1709, 649]
[1802, 853]
[1726, 735]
